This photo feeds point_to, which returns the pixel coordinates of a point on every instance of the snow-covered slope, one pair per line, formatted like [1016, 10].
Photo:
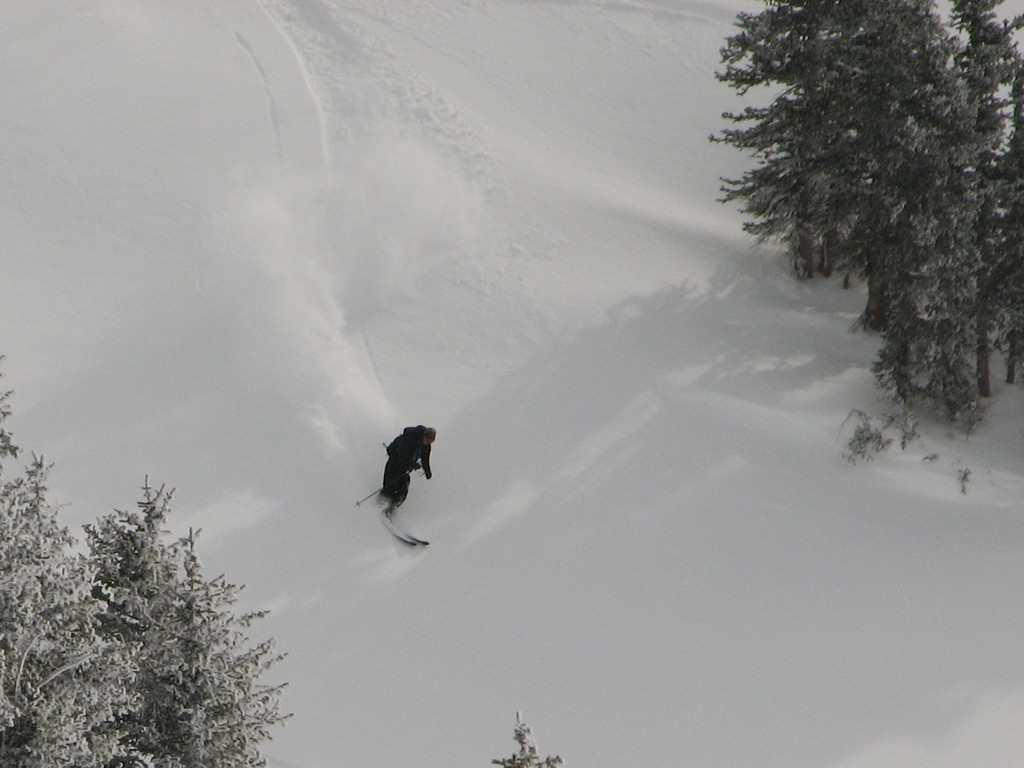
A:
[246, 242]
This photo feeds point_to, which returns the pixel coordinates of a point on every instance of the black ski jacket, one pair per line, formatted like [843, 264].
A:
[408, 449]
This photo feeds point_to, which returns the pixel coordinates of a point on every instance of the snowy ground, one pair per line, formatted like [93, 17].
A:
[247, 241]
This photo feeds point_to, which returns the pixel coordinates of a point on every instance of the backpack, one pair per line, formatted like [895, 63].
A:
[392, 449]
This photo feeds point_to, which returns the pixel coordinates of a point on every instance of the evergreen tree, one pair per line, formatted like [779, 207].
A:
[988, 64]
[528, 755]
[62, 685]
[861, 89]
[921, 207]
[905, 169]
[874, 124]
[791, 46]
[200, 702]
[1009, 304]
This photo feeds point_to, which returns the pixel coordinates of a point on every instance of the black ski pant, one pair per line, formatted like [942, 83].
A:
[396, 481]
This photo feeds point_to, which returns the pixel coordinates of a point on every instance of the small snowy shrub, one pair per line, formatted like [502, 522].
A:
[964, 476]
[871, 436]
[528, 755]
[867, 439]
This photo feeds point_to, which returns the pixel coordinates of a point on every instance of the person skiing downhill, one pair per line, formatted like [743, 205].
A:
[407, 452]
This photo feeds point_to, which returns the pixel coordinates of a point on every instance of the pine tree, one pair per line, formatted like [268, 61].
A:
[876, 126]
[988, 64]
[62, 686]
[1009, 303]
[528, 755]
[926, 211]
[200, 701]
[789, 45]
[861, 86]
[905, 169]
[960, 297]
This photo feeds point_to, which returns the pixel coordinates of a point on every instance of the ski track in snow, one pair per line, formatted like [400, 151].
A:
[302, 64]
[271, 105]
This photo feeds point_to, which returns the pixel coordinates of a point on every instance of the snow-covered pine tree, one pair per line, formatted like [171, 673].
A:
[789, 47]
[200, 702]
[1009, 312]
[988, 63]
[8, 449]
[851, 80]
[61, 684]
[1010, 304]
[921, 206]
[528, 755]
[876, 125]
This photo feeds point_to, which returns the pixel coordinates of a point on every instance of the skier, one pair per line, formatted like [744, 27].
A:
[407, 452]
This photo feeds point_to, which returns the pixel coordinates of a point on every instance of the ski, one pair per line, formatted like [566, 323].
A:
[386, 517]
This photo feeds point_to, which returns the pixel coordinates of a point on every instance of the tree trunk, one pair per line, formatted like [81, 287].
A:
[803, 258]
[983, 362]
[829, 250]
[1012, 356]
[876, 313]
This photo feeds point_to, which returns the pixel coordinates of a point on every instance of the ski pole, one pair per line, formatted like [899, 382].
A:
[383, 487]
[370, 496]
